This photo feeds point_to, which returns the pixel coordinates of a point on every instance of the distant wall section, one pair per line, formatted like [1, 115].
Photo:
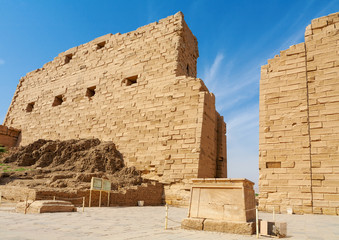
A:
[9, 137]
[299, 124]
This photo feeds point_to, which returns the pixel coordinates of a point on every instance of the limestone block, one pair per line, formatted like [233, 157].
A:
[273, 228]
[45, 206]
[247, 228]
[220, 199]
[192, 223]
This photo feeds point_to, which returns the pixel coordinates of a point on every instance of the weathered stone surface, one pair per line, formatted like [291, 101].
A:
[192, 223]
[138, 90]
[45, 206]
[299, 124]
[278, 229]
[221, 205]
[222, 199]
[8, 136]
[245, 228]
[151, 193]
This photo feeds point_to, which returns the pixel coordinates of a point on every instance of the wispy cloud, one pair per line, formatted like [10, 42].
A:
[300, 23]
[243, 143]
[210, 72]
[245, 120]
[236, 92]
[236, 87]
[329, 6]
[2, 61]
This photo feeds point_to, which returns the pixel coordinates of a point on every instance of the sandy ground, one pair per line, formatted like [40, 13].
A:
[142, 223]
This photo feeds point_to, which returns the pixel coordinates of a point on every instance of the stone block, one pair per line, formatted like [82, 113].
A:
[244, 228]
[45, 206]
[278, 229]
[220, 199]
[192, 223]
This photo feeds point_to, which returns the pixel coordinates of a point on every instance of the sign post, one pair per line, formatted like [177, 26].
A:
[100, 184]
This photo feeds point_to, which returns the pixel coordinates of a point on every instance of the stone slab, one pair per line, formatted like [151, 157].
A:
[192, 223]
[278, 229]
[225, 199]
[244, 228]
[45, 206]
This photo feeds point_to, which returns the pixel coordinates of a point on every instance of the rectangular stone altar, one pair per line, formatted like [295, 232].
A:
[221, 204]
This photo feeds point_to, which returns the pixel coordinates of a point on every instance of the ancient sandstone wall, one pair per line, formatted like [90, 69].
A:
[9, 136]
[299, 124]
[150, 193]
[138, 90]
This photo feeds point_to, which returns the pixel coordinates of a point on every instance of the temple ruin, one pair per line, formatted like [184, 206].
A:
[138, 90]
[299, 124]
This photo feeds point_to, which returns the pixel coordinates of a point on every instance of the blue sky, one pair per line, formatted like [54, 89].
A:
[235, 39]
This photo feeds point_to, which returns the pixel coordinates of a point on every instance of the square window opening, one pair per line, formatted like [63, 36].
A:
[90, 92]
[30, 107]
[68, 58]
[131, 80]
[58, 100]
[101, 45]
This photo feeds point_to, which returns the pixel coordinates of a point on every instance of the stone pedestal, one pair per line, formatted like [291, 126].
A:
[45, 206]
[223, 205]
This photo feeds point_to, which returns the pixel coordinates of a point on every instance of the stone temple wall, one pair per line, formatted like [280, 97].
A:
[299, 124]
[9, 136]
[138, 90]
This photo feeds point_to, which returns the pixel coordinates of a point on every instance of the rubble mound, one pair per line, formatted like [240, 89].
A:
[67, 164]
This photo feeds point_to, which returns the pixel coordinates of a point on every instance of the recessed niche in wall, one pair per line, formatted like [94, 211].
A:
[68, 58]
[30, 107]
[273, 164]
[101, 45]
[131, 80]
[188, 70]
[90, 92]
[58, 100]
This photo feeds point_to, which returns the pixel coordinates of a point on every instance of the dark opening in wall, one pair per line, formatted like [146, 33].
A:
[68, 58]
[101, 45]
[188, 70]
[30, 107]
[58, 100]
[131, 80]
[273, 165]
[90, 92]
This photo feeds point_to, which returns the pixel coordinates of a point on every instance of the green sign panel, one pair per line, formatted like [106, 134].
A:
[96, 183]
[106, 185]
[100, 184]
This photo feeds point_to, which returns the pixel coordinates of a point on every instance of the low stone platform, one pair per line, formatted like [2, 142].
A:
[244, 228]
[150, 193]
[45, 206]
[221, 205]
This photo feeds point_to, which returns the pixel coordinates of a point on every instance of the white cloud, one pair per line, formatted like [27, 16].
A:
[2, 61]
[243, 143]
[247, 118]
[237, 94]
[235, 101]
[210, 73]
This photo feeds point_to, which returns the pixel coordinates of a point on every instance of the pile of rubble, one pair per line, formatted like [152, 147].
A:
[67, 165]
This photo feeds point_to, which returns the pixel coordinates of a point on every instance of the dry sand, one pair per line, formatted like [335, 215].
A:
[142, 223]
